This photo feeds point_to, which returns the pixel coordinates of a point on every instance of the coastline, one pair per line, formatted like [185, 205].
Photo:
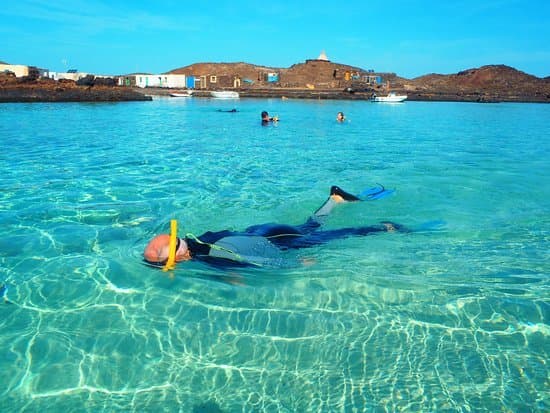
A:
[68, 93]
[121, 94]
[322, 94]
[26, 93]
[313, 79]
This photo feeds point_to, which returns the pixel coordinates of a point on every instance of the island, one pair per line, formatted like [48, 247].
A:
[313, 79]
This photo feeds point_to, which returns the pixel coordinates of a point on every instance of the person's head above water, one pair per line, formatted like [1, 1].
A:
[157, 250]
[266, 118]
[340, 117]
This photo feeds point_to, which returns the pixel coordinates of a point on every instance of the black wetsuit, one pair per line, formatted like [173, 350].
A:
[236, 246]
[262, 245]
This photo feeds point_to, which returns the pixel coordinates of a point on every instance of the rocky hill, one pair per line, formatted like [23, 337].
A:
[314, 72]
[485, 84]
[244, 70]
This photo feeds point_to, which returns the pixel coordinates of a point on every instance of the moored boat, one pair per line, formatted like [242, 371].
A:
[392, 97]
[185, 94]
[224, 94]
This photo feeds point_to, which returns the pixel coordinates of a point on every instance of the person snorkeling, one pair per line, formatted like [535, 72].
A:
[266, 119]
[261, 245]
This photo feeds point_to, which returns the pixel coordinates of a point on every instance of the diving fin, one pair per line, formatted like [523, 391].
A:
[371, 194]
[336, 190]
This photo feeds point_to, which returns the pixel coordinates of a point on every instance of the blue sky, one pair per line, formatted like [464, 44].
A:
[410, 38]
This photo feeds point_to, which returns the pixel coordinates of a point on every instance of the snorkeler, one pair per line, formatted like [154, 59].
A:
[260, 244]
[266, 119]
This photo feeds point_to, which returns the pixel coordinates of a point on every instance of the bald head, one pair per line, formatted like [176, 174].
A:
[158, 249]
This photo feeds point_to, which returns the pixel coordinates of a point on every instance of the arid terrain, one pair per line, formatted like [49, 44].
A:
[317, 79]
[14, 89]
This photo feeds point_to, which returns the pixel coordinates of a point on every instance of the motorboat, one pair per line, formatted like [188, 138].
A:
[185, 94]
[225, 94]
[392, 97]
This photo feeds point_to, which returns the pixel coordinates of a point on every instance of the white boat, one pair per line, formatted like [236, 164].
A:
[392, 97]
[186, 94]
[225, 94]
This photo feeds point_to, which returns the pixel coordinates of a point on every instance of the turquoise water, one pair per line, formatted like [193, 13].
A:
[452, 316]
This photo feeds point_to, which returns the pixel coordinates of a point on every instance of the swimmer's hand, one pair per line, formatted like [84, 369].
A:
[275, 118]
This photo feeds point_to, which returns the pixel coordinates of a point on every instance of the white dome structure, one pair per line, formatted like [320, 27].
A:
[323, 56]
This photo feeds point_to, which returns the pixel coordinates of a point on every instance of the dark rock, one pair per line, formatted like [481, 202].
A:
[87, 80]
[105, 81]
[69, 93]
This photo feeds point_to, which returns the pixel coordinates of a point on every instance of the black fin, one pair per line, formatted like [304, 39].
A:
[336, 190]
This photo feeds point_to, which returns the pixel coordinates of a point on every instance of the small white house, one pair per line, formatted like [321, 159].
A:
[19, 70]
[66, 75]
[168, 81]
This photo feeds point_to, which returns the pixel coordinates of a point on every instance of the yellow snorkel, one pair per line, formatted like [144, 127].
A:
[171, 262]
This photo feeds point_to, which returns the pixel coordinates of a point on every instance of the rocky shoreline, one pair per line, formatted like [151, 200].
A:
[327, 94]
[17, 91]
[488, 84]
[19, 94]
[103, 94]
[429, 96]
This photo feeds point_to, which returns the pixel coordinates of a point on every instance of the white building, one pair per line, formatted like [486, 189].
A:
[323, 56]
[66, 75]
[19, 70]
[168, 81]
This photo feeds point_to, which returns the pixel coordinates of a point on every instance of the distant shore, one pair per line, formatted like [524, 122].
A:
[70, 93]
[122, 94]
[312, 79]
[318, 94]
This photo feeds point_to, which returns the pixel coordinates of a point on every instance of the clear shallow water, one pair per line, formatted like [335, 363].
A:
[448, 317]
